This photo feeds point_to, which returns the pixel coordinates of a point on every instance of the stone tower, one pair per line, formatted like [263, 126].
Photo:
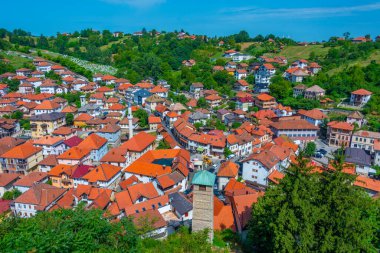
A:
[130, 119]
[203, 202]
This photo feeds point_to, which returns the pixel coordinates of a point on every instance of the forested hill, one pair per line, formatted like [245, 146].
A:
[159, 55]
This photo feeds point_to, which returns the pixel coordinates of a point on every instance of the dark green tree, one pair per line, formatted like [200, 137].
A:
[163, 145]
[11, 195]
[76, 230]
[142, 115]
[69, 119]
[314, 212]
[310, 149]
[202, 103]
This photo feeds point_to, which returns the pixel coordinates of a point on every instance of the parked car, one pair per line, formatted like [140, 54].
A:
[230, 156]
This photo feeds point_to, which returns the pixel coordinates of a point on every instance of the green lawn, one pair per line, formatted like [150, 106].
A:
[17, 61]
[293, 53]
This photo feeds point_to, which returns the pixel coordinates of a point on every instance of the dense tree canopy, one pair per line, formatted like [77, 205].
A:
[83, 230]
[67, 231]
[315, 212]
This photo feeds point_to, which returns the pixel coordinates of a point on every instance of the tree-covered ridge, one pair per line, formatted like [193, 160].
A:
[315, 211]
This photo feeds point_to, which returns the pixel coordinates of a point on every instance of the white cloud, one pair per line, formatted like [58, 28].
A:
[136, 3]
[314, 12]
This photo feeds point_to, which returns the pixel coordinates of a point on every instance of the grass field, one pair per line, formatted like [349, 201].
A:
[293, 53]
[375, 56]
[16, 61]
[245, 45]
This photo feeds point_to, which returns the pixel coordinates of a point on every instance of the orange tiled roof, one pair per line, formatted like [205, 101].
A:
[31, 179]
[235, 187]
[93, 142]
[83, 117]
[154, 120]
[265, 97]
[341, 125]
[276, 176]
[213, 97]
[139, 142]
[41, 195]
[69, 109]
[59, 169]
[146, 190]
[223, 216]
[48, 140]
[228, 169]
[129, 181]
[117, 107]
[123, 199]
[158, 89]
[74, 153]
[103, 172]
[22, 151]
[314, 114]
[368, 183]
[362, 92]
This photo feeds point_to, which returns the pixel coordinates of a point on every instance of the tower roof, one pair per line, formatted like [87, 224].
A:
[204, 178]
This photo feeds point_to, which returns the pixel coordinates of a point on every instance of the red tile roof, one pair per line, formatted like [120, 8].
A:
[223, 216]
[73, 141]
[276, 176]
[314, 114]
[300, 124]
[153, 217]
[265, 97]
[340, 125]
[139, 142]
[368, 183]
[6, 179]
[22, 151]
[31, 178]
[41, 195]
[103, 172]
[146, 190]
[362, 92]
[228, 169]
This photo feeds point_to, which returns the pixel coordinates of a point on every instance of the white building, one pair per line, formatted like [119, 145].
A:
[258, 167]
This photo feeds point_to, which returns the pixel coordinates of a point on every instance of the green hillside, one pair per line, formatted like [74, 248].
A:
[293, 53]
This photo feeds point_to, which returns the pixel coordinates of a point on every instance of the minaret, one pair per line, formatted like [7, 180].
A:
[130, 119]
[83, 100]
[203, 202]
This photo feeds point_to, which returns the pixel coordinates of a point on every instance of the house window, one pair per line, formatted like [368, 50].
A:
[143, 209]
[202, 188]
[137, 211]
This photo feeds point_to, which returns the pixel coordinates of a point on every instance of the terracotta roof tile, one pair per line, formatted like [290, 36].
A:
[41, 195]
[31, 178]
[103, 172]
[22, 151]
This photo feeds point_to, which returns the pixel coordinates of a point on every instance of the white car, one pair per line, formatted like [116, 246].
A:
[230, 156]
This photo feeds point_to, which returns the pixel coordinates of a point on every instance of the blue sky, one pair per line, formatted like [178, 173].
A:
[298, 19]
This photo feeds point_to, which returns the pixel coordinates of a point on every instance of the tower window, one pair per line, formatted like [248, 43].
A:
[202, 188]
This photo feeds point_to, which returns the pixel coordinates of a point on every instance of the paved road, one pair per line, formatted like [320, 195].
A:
[330, 150]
